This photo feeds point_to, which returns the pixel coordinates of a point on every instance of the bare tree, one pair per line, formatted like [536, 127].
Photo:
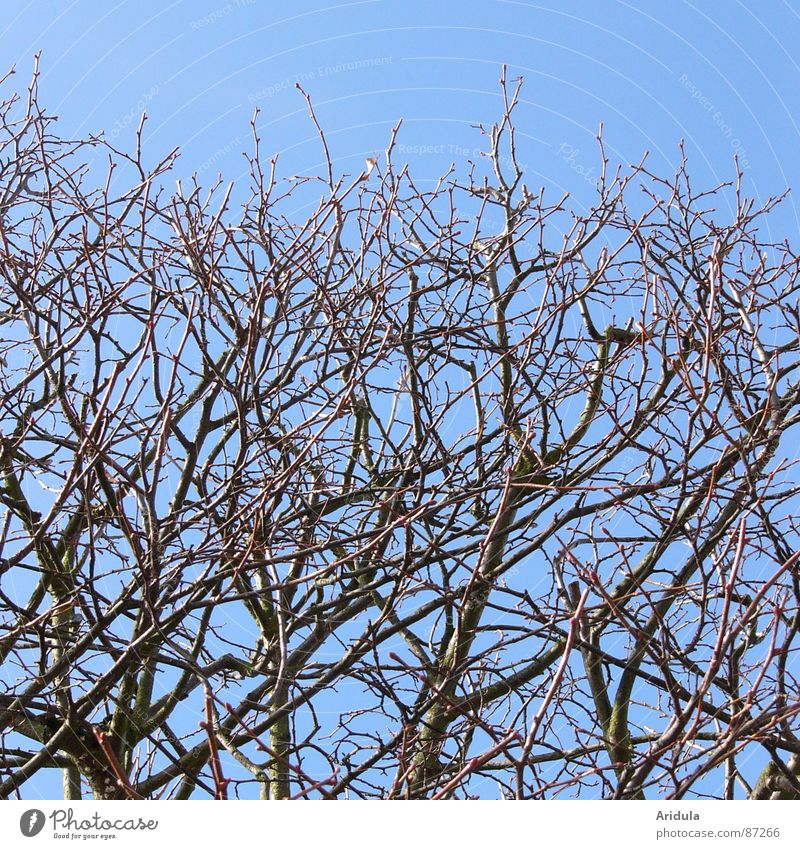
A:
[447, 492]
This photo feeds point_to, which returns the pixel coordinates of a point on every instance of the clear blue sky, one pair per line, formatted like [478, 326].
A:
[723, 75]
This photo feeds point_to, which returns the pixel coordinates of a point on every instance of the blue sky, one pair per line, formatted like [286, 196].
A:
[721, 75]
